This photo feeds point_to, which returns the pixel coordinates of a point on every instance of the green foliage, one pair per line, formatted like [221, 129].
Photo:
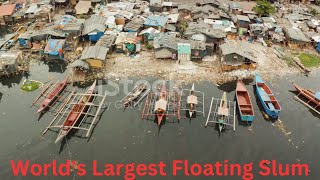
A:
[182, 26]
[309, 60]
[264, 7]
[289, 60]
[314, 12]
[30, 86]
[148, 46]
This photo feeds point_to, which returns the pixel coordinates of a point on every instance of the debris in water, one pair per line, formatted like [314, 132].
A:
[30, 85]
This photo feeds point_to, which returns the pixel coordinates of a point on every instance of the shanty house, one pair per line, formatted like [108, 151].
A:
[235, 8]
[256, 30]
[156, 5]
[166, 46]
[6, 12]
[9, 62]
[94, 27]
[243, 21]
[198, 50]
[79, 71]
[157, 22]
[184, 52]
[127, 42]
[69, 24]
[237, 55]
[54, 49]
[107, 41]
[134, 25]
[82, 7]
[95, 56]
[295, 38]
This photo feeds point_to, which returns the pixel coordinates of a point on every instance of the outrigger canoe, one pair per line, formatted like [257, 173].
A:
[76, 112]
[223, 112]
[52, 96]
[135, 95]
[192, 101]
[161, 104]
[308, 97]
[244, 102]
[268, 100]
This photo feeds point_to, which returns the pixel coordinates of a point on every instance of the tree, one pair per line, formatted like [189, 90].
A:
[264, 7]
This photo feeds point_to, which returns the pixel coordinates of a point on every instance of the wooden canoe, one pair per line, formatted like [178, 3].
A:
[310, 98]
[268, 100]
[52, 96]
[161, 104]
[75, 113]
[244, 102]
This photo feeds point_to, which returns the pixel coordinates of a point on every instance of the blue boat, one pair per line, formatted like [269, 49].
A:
[268, 100]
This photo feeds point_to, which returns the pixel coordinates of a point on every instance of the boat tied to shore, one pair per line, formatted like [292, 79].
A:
[269, 102]
[136, 95]
[161, 105]
[192, 101]
[222, 112]
[308, 97]
[244, 102]
[74, 112]
[50, 95]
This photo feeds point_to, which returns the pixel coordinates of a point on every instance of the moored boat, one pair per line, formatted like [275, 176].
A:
[309, 98]
[269, 102]
[52, 96]
[76, 112]
[161, 104]
[223, 112]
[244, 102]
[192, 101]
[134, 95]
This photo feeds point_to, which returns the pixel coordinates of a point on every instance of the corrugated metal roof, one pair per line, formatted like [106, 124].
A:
[243, 18]
[80, 63]
[154, 20]
[33, 8]
[238, 47]
[135, 24]
[7, 10]
[107, 40]
[94, 52]
[82, 7]
[9, 57]
[94, 23]
[296, 34]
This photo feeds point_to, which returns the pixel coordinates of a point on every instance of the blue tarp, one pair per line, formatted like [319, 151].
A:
[317, 96]
[95, 37]
[54, 47]
[318, 47]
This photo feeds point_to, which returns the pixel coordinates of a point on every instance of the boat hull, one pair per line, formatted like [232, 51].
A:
[261, 89]
[244, 103]
[246, 118]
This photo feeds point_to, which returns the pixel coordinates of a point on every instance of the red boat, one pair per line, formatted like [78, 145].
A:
[52, 96]
[244, 102]
[76, 112]
[161, 104]
[308, 97]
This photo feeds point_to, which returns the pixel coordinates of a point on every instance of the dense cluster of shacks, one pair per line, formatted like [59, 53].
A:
[182, 32]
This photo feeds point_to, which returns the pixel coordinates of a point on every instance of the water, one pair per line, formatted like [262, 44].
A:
[122, 137]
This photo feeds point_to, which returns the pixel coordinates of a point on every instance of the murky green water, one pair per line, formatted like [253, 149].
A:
[122, 137]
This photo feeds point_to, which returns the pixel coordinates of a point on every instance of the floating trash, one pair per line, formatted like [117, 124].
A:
[30, 85]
